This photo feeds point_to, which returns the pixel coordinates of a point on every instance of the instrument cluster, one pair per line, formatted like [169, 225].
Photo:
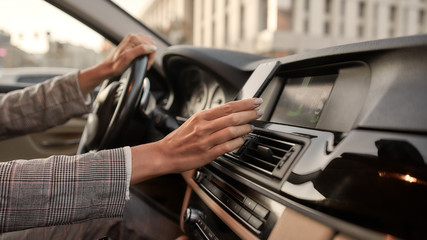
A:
[201, 91]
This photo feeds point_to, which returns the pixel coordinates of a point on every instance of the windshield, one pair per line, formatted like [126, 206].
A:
[30, 39]
[278, 28]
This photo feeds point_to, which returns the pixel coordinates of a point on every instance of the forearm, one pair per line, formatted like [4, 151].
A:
[62, 189]
[41, 106]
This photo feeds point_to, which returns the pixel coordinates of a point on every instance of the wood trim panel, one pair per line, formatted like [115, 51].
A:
[292, 225]
[237, 228]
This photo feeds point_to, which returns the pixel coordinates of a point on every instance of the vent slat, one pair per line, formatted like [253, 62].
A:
[275, 157]
[277, 151]
[263, 153]
[284, 146]
[253, 159]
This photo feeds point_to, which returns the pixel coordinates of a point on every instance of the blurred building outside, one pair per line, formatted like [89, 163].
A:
[269, 27]
[59, 54]
[12, 56]
[282, 27]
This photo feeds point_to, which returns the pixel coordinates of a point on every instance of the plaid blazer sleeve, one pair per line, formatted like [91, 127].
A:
[62, 189]
[41, 106]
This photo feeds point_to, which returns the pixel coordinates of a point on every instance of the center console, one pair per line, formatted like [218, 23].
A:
[335, 155]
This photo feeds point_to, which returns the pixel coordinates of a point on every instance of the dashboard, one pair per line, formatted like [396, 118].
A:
[201, 91]
[340, 152]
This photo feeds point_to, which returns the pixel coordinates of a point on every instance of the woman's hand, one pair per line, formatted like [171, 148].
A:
[200, 140]
[132, 46]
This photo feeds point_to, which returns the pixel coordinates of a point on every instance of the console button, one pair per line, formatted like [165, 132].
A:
[210, 235]
[234, 206]
[212, 188]
[249, 203]
[226, 200]
[201, 223]
[261, 211]
[255, 222]
[207, 184]
[215, 191]
[222, 197]
[205, 228]
[244, 214]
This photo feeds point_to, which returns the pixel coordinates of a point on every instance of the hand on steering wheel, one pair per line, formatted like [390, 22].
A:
[117, 100]
[114, 105]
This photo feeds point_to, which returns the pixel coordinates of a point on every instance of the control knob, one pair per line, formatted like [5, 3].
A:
[191, 215]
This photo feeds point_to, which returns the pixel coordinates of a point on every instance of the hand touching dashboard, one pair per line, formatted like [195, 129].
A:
[326, 113]
[201, 90]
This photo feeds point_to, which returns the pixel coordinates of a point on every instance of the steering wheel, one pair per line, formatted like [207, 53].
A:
[114, 105]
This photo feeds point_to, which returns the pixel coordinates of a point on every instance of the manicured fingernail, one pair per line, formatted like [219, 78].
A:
[151, 48]
[257, 101]
[260, 112]
[252, 128]
[246, 137]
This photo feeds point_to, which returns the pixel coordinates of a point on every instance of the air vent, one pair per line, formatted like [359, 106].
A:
[266, 153]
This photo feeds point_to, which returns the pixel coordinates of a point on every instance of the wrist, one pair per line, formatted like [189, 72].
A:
[148, 162]
[90, 78]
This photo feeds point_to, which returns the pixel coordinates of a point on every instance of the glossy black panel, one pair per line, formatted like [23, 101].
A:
[385, 191]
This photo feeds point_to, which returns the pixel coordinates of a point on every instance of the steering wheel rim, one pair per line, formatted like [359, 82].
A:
[118, 100]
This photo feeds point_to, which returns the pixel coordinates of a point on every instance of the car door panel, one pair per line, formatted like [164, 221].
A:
[60, 140]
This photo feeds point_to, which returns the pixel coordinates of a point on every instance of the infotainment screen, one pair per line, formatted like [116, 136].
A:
[302, 100]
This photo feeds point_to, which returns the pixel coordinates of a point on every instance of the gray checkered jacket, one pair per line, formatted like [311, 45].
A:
[59, 189]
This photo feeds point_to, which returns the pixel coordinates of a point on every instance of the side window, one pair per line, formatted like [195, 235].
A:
[39, 41]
